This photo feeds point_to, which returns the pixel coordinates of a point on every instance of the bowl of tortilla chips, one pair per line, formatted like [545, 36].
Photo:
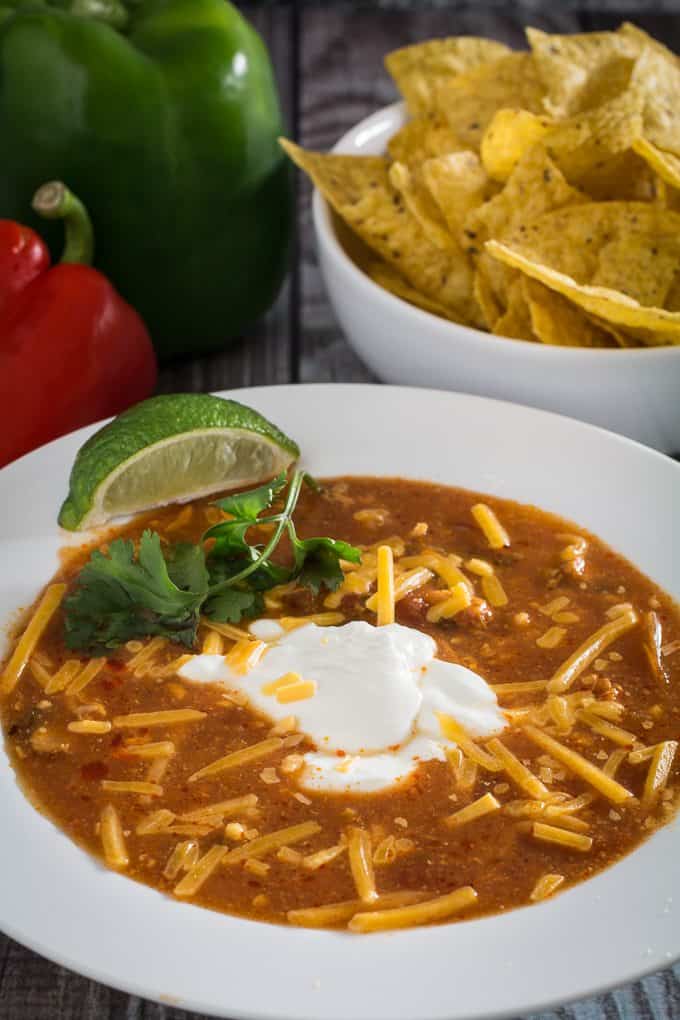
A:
[512, 227]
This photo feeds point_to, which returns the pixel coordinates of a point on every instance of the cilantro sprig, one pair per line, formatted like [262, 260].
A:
[160, 590]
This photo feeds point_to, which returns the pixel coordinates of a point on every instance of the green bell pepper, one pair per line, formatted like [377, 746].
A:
[163, 116]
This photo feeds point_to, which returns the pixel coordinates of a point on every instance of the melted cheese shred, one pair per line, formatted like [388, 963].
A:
[28, 642]
[546, 886]
[518, 772]
[155, 822]
[493, 530]
[158, 749]
[93, 726]
[222, 809]
[339, 913]
[272, 841]
[113, 840]
[132, 786]
[403, 586]
[182, 858]
[361, 863]
[419, 913]
[168, 717]
[494, 592]
[201, 871]
[457, 734]
[471, 812]
[580, 766]
[616, 734]
[459, 599]
[561, 837]
[86, 676]
[63, 677]
[586, 653]
[241, 757]
[659, 771]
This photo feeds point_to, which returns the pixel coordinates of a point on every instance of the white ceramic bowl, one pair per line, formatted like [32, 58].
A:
[634, 392]
[612, 928]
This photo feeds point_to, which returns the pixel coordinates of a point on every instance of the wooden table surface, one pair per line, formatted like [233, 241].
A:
[328, 60]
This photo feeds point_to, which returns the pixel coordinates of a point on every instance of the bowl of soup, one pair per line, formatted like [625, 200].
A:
[457, 750]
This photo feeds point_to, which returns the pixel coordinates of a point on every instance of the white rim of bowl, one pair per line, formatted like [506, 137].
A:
[327, 238]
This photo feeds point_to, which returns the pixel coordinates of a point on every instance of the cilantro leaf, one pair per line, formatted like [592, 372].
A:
[311, 483]
[231, 605]
[317, 561]
[187, 568]
[229, 537]
[246, 506]
[118, 597]
[265, 575]
[230, 541]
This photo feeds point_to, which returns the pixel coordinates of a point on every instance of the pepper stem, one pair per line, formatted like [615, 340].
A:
[54, 201]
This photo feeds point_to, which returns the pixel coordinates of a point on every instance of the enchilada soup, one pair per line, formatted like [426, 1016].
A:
[484, 712]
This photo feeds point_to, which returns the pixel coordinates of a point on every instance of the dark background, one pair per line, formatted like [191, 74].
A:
[328, 60]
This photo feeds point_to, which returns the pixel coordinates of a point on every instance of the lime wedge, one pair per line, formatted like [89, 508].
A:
[170, 449]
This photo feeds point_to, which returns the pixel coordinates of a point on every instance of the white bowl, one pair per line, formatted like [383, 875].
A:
[635, 392]
[618, 925]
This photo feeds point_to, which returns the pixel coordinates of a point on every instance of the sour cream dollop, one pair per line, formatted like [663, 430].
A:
[374, 714]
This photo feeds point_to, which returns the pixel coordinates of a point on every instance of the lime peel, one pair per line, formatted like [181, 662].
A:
[171, 449]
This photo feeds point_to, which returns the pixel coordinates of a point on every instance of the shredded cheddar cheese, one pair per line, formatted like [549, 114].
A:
[385, 592]
[299, 691]
[47, 607]
[283, 681]
[480, 807]
[244, 655]
[493, 530]
[459, 599]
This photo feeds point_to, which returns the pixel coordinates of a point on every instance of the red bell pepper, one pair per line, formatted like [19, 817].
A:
[72, 350]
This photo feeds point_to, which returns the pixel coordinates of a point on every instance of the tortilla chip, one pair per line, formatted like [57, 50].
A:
[387, 277]
[555, 320]
[657, 78]
[629, 247]
[643, 40]
[665, 164]
[470, 101]
[535, 187]
[516, 320]
[418, 70]
[458, 184]
[509, 135]
[672, 302]
[422, 138]
[580, 72]
[651, 324]
[589, 148]
[420, 204]
[485, 297]
[620, 337]
[359, 189]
